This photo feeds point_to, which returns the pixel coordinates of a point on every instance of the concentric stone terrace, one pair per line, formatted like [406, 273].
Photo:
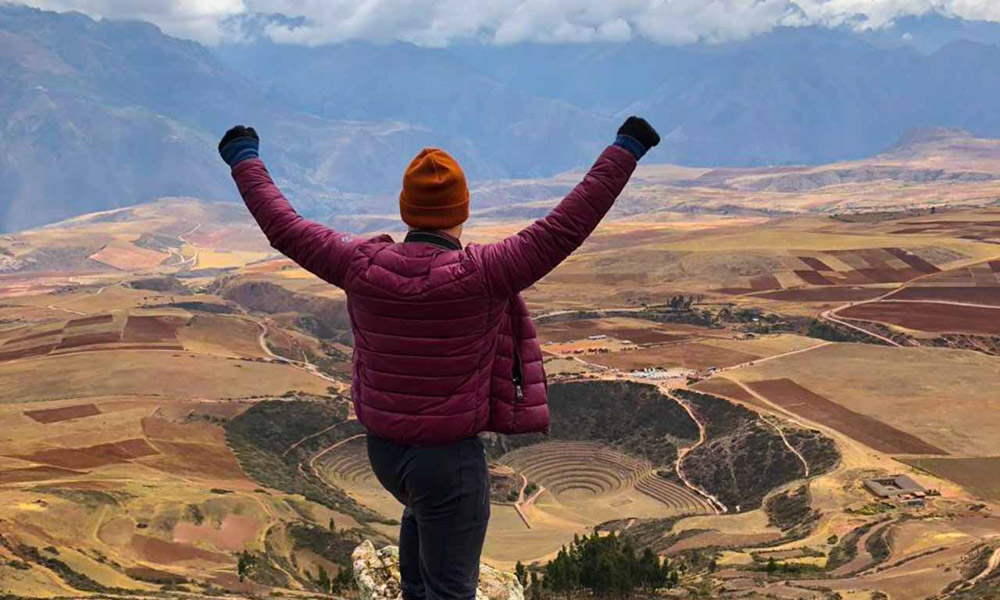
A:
[349, 464]
[592, 469]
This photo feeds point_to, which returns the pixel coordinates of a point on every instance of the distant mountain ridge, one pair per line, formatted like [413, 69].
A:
[101, 114]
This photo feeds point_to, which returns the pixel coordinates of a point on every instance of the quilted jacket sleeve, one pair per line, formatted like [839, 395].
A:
[517, 262]
[315, 247]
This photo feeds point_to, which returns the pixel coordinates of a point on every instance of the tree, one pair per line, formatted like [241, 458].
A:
[333, 526]
[246, 565]
[323, 580]
[344, 579]
[521, 573]
[772, 566]
[536, 586]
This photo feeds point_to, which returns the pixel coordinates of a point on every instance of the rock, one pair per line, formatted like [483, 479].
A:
[376, 573]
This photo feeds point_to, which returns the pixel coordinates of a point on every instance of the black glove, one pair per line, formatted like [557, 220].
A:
[240, 143]
[637, 136]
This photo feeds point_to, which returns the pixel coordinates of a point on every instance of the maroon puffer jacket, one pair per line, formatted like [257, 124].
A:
[438, 331]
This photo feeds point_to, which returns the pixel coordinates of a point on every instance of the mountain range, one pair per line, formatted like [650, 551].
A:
[102, 114]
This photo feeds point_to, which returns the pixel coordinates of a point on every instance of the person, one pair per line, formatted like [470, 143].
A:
[444, 347]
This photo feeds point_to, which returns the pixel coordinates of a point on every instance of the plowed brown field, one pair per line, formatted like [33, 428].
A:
[92, 456]
[720, 386]
[980, 476]
[825, 294]
[142, 329]
[64, 413]
[691, 356]
[972, 295]
[930, 317]
[867, 430]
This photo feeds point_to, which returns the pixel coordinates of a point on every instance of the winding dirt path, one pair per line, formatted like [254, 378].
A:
[714, 502]
[757, 361]
[781, 432]
[827, 315]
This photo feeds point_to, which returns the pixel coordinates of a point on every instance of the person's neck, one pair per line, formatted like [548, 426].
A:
[455, 232]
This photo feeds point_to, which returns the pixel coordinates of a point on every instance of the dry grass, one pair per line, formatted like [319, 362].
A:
[945, 397]
[177, 375]
[690, 356]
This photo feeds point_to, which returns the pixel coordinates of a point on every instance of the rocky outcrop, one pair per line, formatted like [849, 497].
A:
[376, 573]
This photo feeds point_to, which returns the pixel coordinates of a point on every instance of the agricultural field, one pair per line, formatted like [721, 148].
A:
[946, 398]
[177, 393]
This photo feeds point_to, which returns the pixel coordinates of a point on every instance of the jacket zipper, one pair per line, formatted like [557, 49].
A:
[518, 391]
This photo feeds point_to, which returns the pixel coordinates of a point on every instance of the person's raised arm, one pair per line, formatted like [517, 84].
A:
[315, 247]
[517, 262]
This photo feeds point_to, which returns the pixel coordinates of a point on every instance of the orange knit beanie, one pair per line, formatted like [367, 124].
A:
[435, 195]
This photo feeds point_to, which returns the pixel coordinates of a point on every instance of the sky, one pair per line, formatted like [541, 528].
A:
[442, 22]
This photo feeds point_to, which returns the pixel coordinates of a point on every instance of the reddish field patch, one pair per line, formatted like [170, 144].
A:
[995, 266]
[930, 317]
[151, 329]
[958, 293]
[765, 282]
[867, 430]
[813, 278]
[154, 575]
[33, 336]
[720, 386]
[26, 352]
[36, 474]
[815, 264]
[128, 257]
[167, 553]
[886, 275]
[825, 294]
[89, 339]
[980, 476]
[913, 260]
[92, 456]
[580, 330]
[691, 356]
[65, 413]
[234, 534]
[90, 321]
[211, 461]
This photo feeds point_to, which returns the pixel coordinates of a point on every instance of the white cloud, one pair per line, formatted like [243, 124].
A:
[440, 22]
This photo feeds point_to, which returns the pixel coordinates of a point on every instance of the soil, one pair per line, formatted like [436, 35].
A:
[93, 456]
[33, 336]
[970, 294]
[691, 356]
[166, 553]
[813, 278]
[720, 386]
[89, 321]
[151, 329]
[89, 339]
[815, 264]
[36, 474]
[926, 316]
[978, 475]
[64, 413]
[871, 432]
[826, 294]
[26, 352]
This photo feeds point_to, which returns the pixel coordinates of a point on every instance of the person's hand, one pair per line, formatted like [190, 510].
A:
[637, 136]
[240, 143]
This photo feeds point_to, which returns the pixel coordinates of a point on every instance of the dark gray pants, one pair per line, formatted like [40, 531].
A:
[446, 492]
